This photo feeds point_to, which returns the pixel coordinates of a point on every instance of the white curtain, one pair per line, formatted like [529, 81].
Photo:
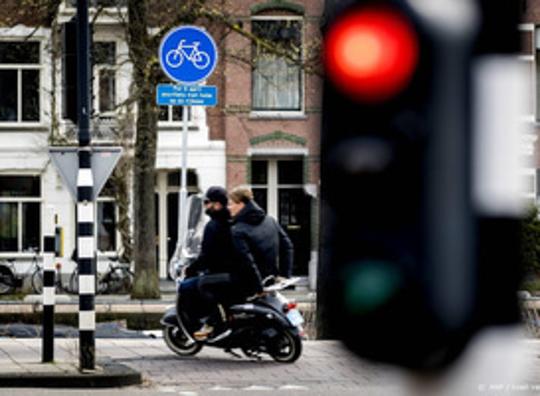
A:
[276, 84]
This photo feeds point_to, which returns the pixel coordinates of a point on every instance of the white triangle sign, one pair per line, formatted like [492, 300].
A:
[66, 161]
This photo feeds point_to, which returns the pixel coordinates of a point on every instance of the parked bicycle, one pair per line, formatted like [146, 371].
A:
[117, 278]
[10, 279]
[37, 281]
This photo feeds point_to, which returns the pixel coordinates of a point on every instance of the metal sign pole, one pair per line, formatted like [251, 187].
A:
[85, 198]
[182, 198]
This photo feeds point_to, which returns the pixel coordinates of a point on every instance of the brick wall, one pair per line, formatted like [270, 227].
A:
[241, 130]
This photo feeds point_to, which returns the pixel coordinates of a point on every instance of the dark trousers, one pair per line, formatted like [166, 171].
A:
[202, 294]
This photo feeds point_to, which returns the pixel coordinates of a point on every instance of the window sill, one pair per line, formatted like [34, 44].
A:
[18, 255]
[177, 126]
[277, 115]
[30, 127]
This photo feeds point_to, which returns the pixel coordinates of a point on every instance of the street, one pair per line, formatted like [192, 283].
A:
[325, 368]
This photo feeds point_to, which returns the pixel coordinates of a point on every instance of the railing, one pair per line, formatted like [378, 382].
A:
[104, 130]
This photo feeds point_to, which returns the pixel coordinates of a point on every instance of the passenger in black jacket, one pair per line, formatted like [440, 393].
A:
[258, 238]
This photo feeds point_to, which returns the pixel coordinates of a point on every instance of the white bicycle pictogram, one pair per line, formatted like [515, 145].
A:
[199, 59]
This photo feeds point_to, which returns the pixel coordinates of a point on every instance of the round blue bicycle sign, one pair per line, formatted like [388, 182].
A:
[188, 54]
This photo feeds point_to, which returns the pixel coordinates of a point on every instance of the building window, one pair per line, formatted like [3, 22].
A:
[271, 179]
[20, 81]
[104, 56]
[276, 79]
[106, 220]
[20, 213]
[174, 179]
[170, 114]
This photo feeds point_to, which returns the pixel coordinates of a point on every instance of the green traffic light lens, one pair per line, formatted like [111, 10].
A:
[370, 284]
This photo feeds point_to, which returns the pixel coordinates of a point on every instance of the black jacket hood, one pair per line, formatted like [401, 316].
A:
[250, 214]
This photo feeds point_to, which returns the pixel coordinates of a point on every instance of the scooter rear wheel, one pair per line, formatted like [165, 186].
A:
[179, 343]
[287, 347]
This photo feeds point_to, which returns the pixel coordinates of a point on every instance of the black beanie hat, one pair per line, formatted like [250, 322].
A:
[217, 194]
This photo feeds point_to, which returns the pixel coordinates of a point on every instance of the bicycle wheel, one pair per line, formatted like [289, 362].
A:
[102, 284]
[127, 282]
[174, 58]
[74, 283]
[119, 280]
[7, 280]
[201, 61]
[37, 281]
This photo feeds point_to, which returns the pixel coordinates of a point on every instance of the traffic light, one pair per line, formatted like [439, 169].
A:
[69, 70]
[70, 82]
[399, 240]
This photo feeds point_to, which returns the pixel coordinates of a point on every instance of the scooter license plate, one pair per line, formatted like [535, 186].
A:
[295, 317]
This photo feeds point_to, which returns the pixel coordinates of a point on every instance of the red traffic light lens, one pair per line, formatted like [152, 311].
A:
[371, 53]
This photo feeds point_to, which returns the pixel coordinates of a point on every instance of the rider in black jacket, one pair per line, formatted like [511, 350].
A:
[258, 238]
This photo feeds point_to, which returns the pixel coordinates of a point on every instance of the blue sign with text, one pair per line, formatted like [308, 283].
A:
[188, 54]
[186, 95]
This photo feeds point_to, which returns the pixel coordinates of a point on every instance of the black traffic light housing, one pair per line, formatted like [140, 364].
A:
[69, 70]
[70, 80]
[399, 248]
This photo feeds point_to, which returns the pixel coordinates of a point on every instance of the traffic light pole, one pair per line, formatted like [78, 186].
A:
[85, 197]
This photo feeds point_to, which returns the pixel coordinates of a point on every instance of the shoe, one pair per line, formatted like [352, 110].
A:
[203, 333]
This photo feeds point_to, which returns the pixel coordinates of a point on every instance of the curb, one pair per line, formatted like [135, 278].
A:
[106, 375]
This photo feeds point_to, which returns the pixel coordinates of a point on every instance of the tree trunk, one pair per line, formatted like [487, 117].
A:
[146, 283]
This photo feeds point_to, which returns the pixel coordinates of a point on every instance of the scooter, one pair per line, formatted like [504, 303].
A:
[268, 324]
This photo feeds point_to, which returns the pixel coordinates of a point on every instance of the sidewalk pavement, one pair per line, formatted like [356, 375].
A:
[20, 366]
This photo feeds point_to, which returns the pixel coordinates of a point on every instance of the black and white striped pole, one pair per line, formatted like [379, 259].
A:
[85, 198]
[47, 350]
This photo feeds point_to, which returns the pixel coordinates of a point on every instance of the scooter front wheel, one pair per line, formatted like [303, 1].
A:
[177, 342]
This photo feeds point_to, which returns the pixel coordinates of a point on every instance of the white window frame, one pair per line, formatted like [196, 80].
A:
[20, 201]
[176, 123]
[19, 67]
[97, 68]
[530, 62]
[272, 185]
[282, 114]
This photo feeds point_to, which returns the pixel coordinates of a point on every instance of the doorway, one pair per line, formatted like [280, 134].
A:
[167, 193]
[278, 187]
